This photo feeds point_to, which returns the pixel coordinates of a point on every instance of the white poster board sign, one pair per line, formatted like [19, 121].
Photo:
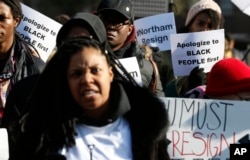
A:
[39, 30]
[155, 30]
[201, 49]
[4, 144]
[204, 128]
[132, 66]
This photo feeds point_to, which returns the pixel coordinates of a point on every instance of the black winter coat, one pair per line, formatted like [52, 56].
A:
[27, 64]
[134, 50]
[145, 113]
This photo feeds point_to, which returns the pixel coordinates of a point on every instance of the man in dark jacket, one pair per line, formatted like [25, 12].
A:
[117, 16]
[17, 58]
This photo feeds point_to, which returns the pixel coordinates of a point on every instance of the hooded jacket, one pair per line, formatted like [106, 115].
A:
[87, 20]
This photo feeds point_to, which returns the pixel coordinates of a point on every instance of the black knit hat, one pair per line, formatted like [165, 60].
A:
[123, 7]
[87, 20]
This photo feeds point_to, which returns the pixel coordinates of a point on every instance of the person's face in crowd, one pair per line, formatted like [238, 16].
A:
[89, 78]
[242, 96]
[228, 50]
[78, 31]
[201, 22]
[7, 23]
[118, 29]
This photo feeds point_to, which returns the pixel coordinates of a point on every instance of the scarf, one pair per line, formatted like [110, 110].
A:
[5, 80]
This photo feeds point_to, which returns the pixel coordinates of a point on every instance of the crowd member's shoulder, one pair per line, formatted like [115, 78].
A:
[140, 95]
[30, 51]
[136, 45]
[36, 57]
[176, 87]
[142, 51]
[143, 100]
[132, 89]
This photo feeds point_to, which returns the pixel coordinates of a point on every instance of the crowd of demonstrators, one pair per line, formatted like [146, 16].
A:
[81, 24]
[225, 74]
[203, 15]
[228, 80]
[80, 109]
[81, 105]
[18, 59]
[21, 107]
[118, 17]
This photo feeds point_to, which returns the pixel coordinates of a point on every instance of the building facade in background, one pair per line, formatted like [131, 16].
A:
[143, 8]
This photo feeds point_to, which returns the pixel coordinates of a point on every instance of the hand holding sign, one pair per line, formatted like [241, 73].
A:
[206, 128]
[196, 78]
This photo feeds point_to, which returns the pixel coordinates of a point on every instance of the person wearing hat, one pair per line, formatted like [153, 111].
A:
[118, 17]
[204, 15]
[81, 24]
[229, 79]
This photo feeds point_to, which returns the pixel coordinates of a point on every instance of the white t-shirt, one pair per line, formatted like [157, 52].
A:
[110, 142]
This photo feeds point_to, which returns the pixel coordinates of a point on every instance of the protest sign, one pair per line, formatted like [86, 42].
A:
[204, 128]
[155, 30]
[4, 144]
[38, 30]
[131, 65]
[196, 49]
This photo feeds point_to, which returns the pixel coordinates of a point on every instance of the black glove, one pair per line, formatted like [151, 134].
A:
[196, 78]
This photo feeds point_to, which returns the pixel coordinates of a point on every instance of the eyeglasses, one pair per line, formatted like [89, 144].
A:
[243, 98]
[116, 26]
[111, 21]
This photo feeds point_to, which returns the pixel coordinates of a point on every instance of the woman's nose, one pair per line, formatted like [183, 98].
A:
[87, 77]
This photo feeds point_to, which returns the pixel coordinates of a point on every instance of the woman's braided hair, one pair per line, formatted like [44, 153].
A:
[76, 43]
[52, 111]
